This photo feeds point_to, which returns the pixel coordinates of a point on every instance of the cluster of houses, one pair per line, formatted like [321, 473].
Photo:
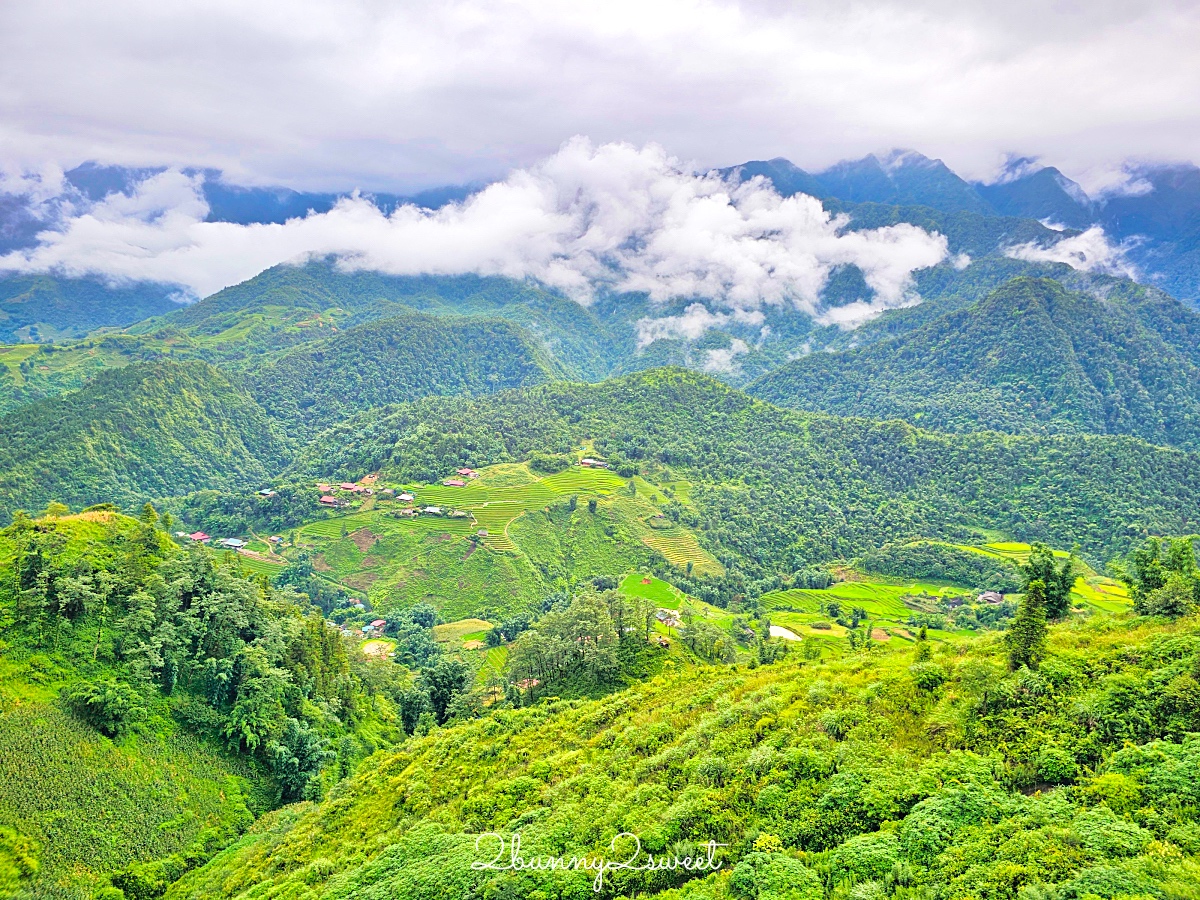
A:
[199, 537]
[463, 473]
[990, 597]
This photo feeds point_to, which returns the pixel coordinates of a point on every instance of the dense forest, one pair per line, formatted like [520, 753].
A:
[1031, 357]
[147, 430]
[778, 489]
[394, 361]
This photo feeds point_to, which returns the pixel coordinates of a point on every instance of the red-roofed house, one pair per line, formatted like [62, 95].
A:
[329, 501]
[200, 537]
[454, 482]
[468, 473]
[347, 486]
[378, 624]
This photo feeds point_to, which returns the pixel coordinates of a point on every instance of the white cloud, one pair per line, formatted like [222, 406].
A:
[613, 217]
[1089, 251]
[724, 362]
[330, 93]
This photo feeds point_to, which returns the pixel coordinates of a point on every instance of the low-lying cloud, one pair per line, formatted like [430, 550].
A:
[1089, 251]
[588, 219]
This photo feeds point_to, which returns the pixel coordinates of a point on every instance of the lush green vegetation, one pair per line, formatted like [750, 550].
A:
[147, 430]
[1031, 357]
[943, 562]
[926, 771]
[773, 491]
[46, 308]
[152, 700]
[394, 361]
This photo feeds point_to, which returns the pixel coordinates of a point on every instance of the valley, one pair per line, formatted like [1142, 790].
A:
[307, 584]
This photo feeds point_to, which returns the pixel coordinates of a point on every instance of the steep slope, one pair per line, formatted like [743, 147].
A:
[148, 430]
[776, 488]
[46, 307]
[395, 361]
[152, 699]
[870, 777]
[284, 305]
[1031, 357]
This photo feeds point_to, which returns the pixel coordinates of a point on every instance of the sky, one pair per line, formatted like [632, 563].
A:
[595, 125]
[337, 94]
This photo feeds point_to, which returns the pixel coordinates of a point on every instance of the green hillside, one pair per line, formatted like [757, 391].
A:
[1030, 357]
[288, 305]
[775, 489]
[36, 308]
[147, 430]
[922, 772]
[153, 701]
[394, 361]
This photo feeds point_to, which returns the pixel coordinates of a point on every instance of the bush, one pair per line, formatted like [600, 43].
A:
[112, 707]
[773, 876]
[549, 462]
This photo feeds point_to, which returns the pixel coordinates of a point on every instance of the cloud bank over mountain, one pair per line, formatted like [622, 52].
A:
[612, 217]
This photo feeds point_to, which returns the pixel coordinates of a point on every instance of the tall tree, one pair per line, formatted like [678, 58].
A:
[1026, 637]
[1056, 577]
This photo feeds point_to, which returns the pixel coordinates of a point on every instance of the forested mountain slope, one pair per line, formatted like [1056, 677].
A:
[151, 429]
[394, 361]
[47, 307]
[777, 488]
[285, 304]
[152, 700]
[1031, 357]
[887, 774]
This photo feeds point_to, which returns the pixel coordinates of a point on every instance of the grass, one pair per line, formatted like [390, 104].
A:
[534, 543]
[657, 591]
[681, 547]
[145, 797]
[461, 631]
[877, 600]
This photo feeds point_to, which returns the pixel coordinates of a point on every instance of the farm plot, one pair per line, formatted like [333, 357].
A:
[680, 547]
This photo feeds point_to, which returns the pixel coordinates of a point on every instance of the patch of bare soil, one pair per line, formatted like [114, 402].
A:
[364, 539]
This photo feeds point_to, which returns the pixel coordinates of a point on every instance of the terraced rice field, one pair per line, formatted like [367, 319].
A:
[681, 547]
[882, 600]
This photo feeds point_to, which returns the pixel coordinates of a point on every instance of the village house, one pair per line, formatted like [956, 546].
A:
[328, 500]
[588, 463]
[454, 482]
[199, 537]
[468, 473]
[432, 510]
[266, 492]
[990, 597]
[275, 539]
[668, 618]
[379, 624]
[406, 497]
[324, 488]
[233, 543]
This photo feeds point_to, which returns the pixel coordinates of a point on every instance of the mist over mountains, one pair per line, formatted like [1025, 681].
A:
[158, 225]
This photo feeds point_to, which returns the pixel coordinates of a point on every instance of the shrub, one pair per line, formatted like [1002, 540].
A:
[112, 707]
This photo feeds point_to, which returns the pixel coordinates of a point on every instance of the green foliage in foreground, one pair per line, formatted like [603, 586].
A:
[775, 490]
[910, 775]
[172, 669]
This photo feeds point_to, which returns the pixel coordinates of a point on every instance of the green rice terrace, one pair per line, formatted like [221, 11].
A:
[490, 545]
